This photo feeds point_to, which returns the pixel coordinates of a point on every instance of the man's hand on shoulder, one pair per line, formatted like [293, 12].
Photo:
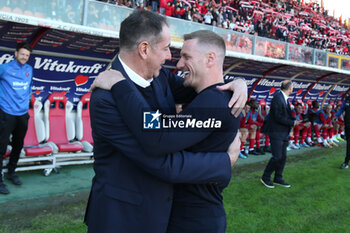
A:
[106, 79]
[239, 97]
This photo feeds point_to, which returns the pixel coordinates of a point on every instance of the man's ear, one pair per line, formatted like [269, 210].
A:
[211, 59]
[143, 49]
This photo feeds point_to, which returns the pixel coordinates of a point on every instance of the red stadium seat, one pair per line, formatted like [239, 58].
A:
[59, 124]
[263, 108]
[36, 132]
[83, 127]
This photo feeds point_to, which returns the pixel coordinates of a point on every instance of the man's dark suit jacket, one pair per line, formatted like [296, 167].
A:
[196, 207]
[131, 190]
[279, 121]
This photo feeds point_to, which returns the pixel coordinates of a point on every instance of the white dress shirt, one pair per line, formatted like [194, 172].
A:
[137, 79]
[285, 97]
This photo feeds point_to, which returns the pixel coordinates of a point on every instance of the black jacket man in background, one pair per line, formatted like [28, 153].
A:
[278, 125]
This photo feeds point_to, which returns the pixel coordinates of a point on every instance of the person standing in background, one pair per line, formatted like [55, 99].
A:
[15, 89]
[346, 108]
[278, 124]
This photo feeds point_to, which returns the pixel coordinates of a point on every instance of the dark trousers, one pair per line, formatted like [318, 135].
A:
[17, 126]
[212, 224]
[278, 159]
[347, 136]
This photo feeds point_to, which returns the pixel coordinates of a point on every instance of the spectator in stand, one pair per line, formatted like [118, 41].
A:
[232, 24]
[188, 13]
[177, 13]
[141, 6]
[155, 4]
[311, 30]
[15, 90]
[196, 16]
[162, 6]
[301, 126]
[215, 14]
[204, 8]
[169, 9]
[208, 18]
[221, 18]
[260, 29]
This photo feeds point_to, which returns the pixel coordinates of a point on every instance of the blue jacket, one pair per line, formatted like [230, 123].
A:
[132, 190]
[15, 87]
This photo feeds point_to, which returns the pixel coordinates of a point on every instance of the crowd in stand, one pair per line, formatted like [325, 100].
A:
[314, 126]
[286, 20]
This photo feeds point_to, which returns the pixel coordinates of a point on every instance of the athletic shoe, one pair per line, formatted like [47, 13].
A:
[293, 146]
[298, 145]
[335, 140]
[333, 143]
[242, 156]
[304, 144]
[267, 183]
[13, 178]
[282, 183]
[326, 144]
[310, 143]
[243, 153]
[260, 151]
[339, 139]
[344, 166]
[253, 152]
[288, 148]
[3, 189]
[267, 149]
